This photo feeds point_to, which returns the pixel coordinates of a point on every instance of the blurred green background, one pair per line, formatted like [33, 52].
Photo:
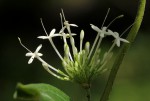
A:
[22, 18]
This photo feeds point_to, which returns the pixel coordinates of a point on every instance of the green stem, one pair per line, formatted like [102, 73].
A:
[119, 58]
[88, 95]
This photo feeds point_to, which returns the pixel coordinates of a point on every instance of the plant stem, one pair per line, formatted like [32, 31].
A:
[88, 92]
[119, 58]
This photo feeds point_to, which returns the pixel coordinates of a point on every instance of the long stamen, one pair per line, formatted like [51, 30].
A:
[43, 27]
[105, 17]
[63, 14]
[118, 17]
[23, 45]
[61, 20]
[127, 29]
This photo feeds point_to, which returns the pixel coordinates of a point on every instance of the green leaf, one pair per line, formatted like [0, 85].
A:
[39, 92]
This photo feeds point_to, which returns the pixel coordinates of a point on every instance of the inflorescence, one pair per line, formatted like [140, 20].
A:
[81, 65]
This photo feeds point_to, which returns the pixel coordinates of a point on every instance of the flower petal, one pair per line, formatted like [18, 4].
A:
[42, 37]
[110, 33]
[52, 32]
[74, 25]
[95, 28]
[124, 40]
[117, 34]
[118, 42]
[39, 54]
[73, 34]
[29, 54]
[31, 59]
[38, 48]
[57, 35]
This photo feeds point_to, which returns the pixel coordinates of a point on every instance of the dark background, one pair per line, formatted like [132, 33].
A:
[22, 18]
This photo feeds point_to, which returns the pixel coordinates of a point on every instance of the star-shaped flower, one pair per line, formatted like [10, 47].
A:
[35, 54]
[102, 32]
[66, 23]
[52, 34]
[118, 39]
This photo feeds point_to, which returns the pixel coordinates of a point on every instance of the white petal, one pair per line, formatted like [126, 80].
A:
[42, 37]
[38, 48]
[118, 42]
[31, 60]
[52, 32]
[124, 40]
[95, 28]
[39, 54]
[117, 34]
[111, 33]
[57, 35]
[73, 34]
[74, 25]
[29, 54]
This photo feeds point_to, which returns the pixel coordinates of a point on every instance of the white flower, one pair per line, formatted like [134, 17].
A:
[117, 38]
[52, 34]
[102, 32]
[35, 54]
[66, 23]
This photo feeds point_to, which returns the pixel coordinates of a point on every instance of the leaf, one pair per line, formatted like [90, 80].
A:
[39, 92]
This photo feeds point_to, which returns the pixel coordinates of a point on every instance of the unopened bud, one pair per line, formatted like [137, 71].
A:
[66, 50]
[81, 34]
[87, 47]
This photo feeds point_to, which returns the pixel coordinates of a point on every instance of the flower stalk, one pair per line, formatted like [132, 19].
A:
[125, 47]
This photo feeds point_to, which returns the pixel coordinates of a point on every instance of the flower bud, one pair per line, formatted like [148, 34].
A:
[87, 47]
[66, 51]
[81, 34]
